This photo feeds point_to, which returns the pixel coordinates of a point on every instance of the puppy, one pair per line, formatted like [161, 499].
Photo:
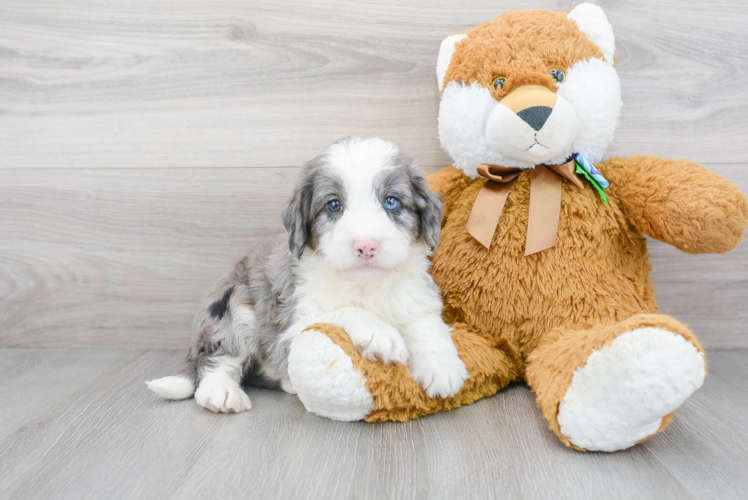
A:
[361, 225]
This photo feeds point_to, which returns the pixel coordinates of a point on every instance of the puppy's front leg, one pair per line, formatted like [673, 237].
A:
[374, 338]
[434, 363]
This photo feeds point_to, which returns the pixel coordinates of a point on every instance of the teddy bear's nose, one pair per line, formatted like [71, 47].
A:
[536, 116]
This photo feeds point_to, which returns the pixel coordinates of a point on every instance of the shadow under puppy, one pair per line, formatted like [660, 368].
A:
[362, 223]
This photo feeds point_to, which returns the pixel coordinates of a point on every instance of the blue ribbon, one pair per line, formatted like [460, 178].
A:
[590, 169]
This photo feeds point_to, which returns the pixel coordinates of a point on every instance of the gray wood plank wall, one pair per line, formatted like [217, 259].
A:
[144, 145]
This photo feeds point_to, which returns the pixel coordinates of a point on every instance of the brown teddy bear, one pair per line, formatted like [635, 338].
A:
[542, 263]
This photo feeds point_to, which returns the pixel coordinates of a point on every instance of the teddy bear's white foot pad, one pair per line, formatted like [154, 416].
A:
[325, 380]
[620, 395]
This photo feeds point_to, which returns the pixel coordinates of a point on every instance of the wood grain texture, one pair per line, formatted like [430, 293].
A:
[119, 257]
[98, 256]
[144, 84]
[107, 436]
[690, 451]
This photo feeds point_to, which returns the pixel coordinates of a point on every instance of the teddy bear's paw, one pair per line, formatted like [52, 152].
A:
[620, 395]
[325, 379]
[379, 342]
[440, 374]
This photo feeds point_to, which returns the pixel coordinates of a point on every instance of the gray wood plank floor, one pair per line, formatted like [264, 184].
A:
[81, 424]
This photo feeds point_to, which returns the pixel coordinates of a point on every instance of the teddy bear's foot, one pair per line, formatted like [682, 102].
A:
[610, 387]
[324, 378]
[620, 396]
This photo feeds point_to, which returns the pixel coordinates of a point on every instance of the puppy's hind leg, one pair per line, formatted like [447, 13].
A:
[220, 388]
[226, 345]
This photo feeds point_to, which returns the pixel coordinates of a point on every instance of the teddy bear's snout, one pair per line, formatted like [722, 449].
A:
[536, 116]
[533, 103]
[532, 124]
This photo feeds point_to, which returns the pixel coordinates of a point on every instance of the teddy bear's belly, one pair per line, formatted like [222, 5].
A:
[597, 272]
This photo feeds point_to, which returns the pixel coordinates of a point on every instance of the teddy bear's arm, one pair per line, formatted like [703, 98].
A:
[448, 183]
[679, 202]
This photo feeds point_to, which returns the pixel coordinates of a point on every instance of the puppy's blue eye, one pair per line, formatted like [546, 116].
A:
[391, 203]
[334, 206]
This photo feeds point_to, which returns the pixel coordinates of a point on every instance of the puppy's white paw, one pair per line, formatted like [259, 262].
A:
[440, 374]
[222, 398]
[379, 342]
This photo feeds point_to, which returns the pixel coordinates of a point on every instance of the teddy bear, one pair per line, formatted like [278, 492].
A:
[543, 263]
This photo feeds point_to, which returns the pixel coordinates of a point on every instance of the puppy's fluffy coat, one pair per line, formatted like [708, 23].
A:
[361, 225]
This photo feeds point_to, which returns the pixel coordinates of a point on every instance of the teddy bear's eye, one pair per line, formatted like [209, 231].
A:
[499, 82]
[557, 74]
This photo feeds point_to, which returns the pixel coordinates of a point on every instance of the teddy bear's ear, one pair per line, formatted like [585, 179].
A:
[445, 56]
[592, 21]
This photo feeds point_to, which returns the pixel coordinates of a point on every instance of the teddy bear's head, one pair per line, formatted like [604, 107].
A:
[529, 88]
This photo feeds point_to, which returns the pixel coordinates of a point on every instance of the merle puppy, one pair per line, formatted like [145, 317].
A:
[361, 225]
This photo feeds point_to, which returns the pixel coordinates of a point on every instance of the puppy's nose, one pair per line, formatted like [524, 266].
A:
[536, 116]
[365, 248]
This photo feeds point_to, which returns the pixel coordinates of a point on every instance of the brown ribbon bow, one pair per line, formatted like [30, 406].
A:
[545, 203]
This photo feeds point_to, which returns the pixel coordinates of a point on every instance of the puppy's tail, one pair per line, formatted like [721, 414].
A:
[173, 387]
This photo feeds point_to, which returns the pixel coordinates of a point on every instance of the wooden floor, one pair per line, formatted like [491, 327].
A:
[81, 424]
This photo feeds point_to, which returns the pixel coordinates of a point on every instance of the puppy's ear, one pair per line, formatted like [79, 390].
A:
[297, 215]
[428, 206]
